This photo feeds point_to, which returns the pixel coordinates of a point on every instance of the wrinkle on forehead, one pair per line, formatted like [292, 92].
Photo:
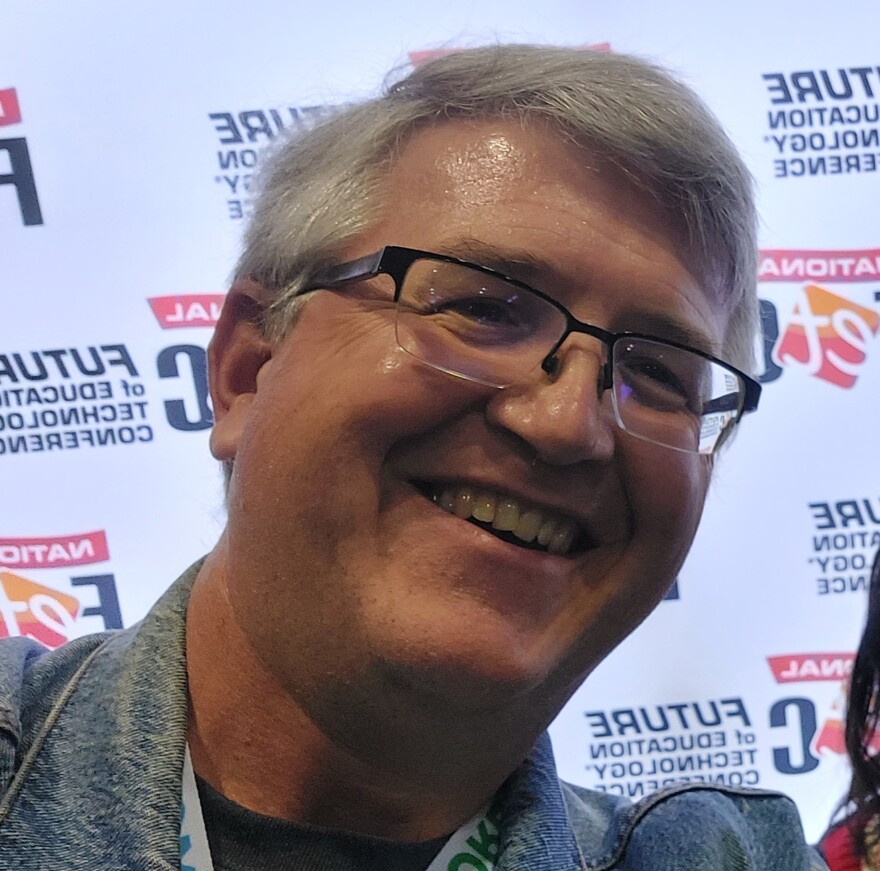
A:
[484, 171]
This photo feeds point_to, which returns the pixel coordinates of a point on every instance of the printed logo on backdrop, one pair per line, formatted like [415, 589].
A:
[723, 740]
[845, 538]
[825, 323]
[187, 310]
[185, 364]
[242, 136]
[823, 122]
[16, 172]
[52, 590]
[811, 716]
[62, 399]
[635, 751]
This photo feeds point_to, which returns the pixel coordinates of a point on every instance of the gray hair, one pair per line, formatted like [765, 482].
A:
[323, 187]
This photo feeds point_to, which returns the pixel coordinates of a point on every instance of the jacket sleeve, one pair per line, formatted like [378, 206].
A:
[720, 829]
[16, 657]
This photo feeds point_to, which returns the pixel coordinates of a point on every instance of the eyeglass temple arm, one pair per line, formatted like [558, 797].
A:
[729, 401]
[345, 273]
[753, 394]
[752, 391]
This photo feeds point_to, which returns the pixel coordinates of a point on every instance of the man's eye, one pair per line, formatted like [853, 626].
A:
[482, 310]
[655, 384]
[659, 374]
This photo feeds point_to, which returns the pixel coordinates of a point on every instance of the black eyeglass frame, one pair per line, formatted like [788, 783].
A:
[395, 261]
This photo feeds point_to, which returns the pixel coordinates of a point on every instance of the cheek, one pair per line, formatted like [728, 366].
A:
[324, 421]
[366, 406]
[666, 491]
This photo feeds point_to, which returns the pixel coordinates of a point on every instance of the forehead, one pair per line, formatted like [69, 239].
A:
[526, 200]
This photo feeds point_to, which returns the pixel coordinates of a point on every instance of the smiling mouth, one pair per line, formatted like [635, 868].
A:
[508, 519]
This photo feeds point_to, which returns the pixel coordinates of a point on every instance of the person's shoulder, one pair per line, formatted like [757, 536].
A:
[694, 826]
[26, 665]
[32, 683]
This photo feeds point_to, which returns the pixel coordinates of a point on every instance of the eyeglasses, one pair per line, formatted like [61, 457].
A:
[478, 324]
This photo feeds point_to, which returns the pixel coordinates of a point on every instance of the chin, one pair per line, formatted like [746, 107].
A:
[464, 673]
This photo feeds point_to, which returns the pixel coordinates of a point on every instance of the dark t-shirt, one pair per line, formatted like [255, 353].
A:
[242, 840]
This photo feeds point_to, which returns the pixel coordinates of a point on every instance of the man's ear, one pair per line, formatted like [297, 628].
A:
[238, 351]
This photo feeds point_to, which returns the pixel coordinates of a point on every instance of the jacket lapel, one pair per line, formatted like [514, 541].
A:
[536, 833]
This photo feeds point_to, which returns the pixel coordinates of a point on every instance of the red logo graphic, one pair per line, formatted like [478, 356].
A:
[10, 113]
[791, 667]
[832, 733]
[827, 336]
[187, 310]
[32, 610]
[43, 613]
[417, 58]
[838, 266]
[808, 667]
[55, 552]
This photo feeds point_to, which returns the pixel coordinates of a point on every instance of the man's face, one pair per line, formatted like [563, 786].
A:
[343, 572]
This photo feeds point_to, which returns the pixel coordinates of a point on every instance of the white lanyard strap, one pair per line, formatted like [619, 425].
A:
[474, 847]
[195, 854]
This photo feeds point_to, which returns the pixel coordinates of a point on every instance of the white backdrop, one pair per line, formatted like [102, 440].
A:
[127, 133]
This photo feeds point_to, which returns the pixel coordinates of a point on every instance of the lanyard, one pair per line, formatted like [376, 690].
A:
[473, 846]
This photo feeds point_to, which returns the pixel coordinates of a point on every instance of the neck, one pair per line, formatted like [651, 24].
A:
[402, 778]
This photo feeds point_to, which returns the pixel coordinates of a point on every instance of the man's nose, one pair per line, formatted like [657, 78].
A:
[562, 416]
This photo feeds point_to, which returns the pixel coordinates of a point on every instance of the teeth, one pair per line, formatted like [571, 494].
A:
[506, 515]
[464, 502]
[484, 507]
[528, 525]
[562, 538]
[546, 530]
[555, 533]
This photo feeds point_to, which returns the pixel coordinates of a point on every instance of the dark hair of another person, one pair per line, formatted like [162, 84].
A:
[862, 715]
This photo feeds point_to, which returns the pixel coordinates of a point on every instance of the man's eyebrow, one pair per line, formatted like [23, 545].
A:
[671, 329]
[517, 263]
[534, 270]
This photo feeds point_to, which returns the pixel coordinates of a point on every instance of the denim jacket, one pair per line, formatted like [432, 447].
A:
[91, 751]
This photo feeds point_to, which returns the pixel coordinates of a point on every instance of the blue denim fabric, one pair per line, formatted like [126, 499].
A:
[91, 752]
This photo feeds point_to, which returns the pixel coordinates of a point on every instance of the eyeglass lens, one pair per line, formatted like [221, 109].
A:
[482, 328]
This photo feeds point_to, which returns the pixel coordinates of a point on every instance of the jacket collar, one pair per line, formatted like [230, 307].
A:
[536, 832]
[111, 744]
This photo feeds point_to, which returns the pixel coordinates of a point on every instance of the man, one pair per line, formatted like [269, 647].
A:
[468, 386]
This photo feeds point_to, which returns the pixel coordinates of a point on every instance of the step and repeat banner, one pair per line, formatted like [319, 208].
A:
[128, 138]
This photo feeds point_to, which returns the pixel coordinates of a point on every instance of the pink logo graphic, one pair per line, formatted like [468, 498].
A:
[10, 113]
[187, 310]
[827, 336]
